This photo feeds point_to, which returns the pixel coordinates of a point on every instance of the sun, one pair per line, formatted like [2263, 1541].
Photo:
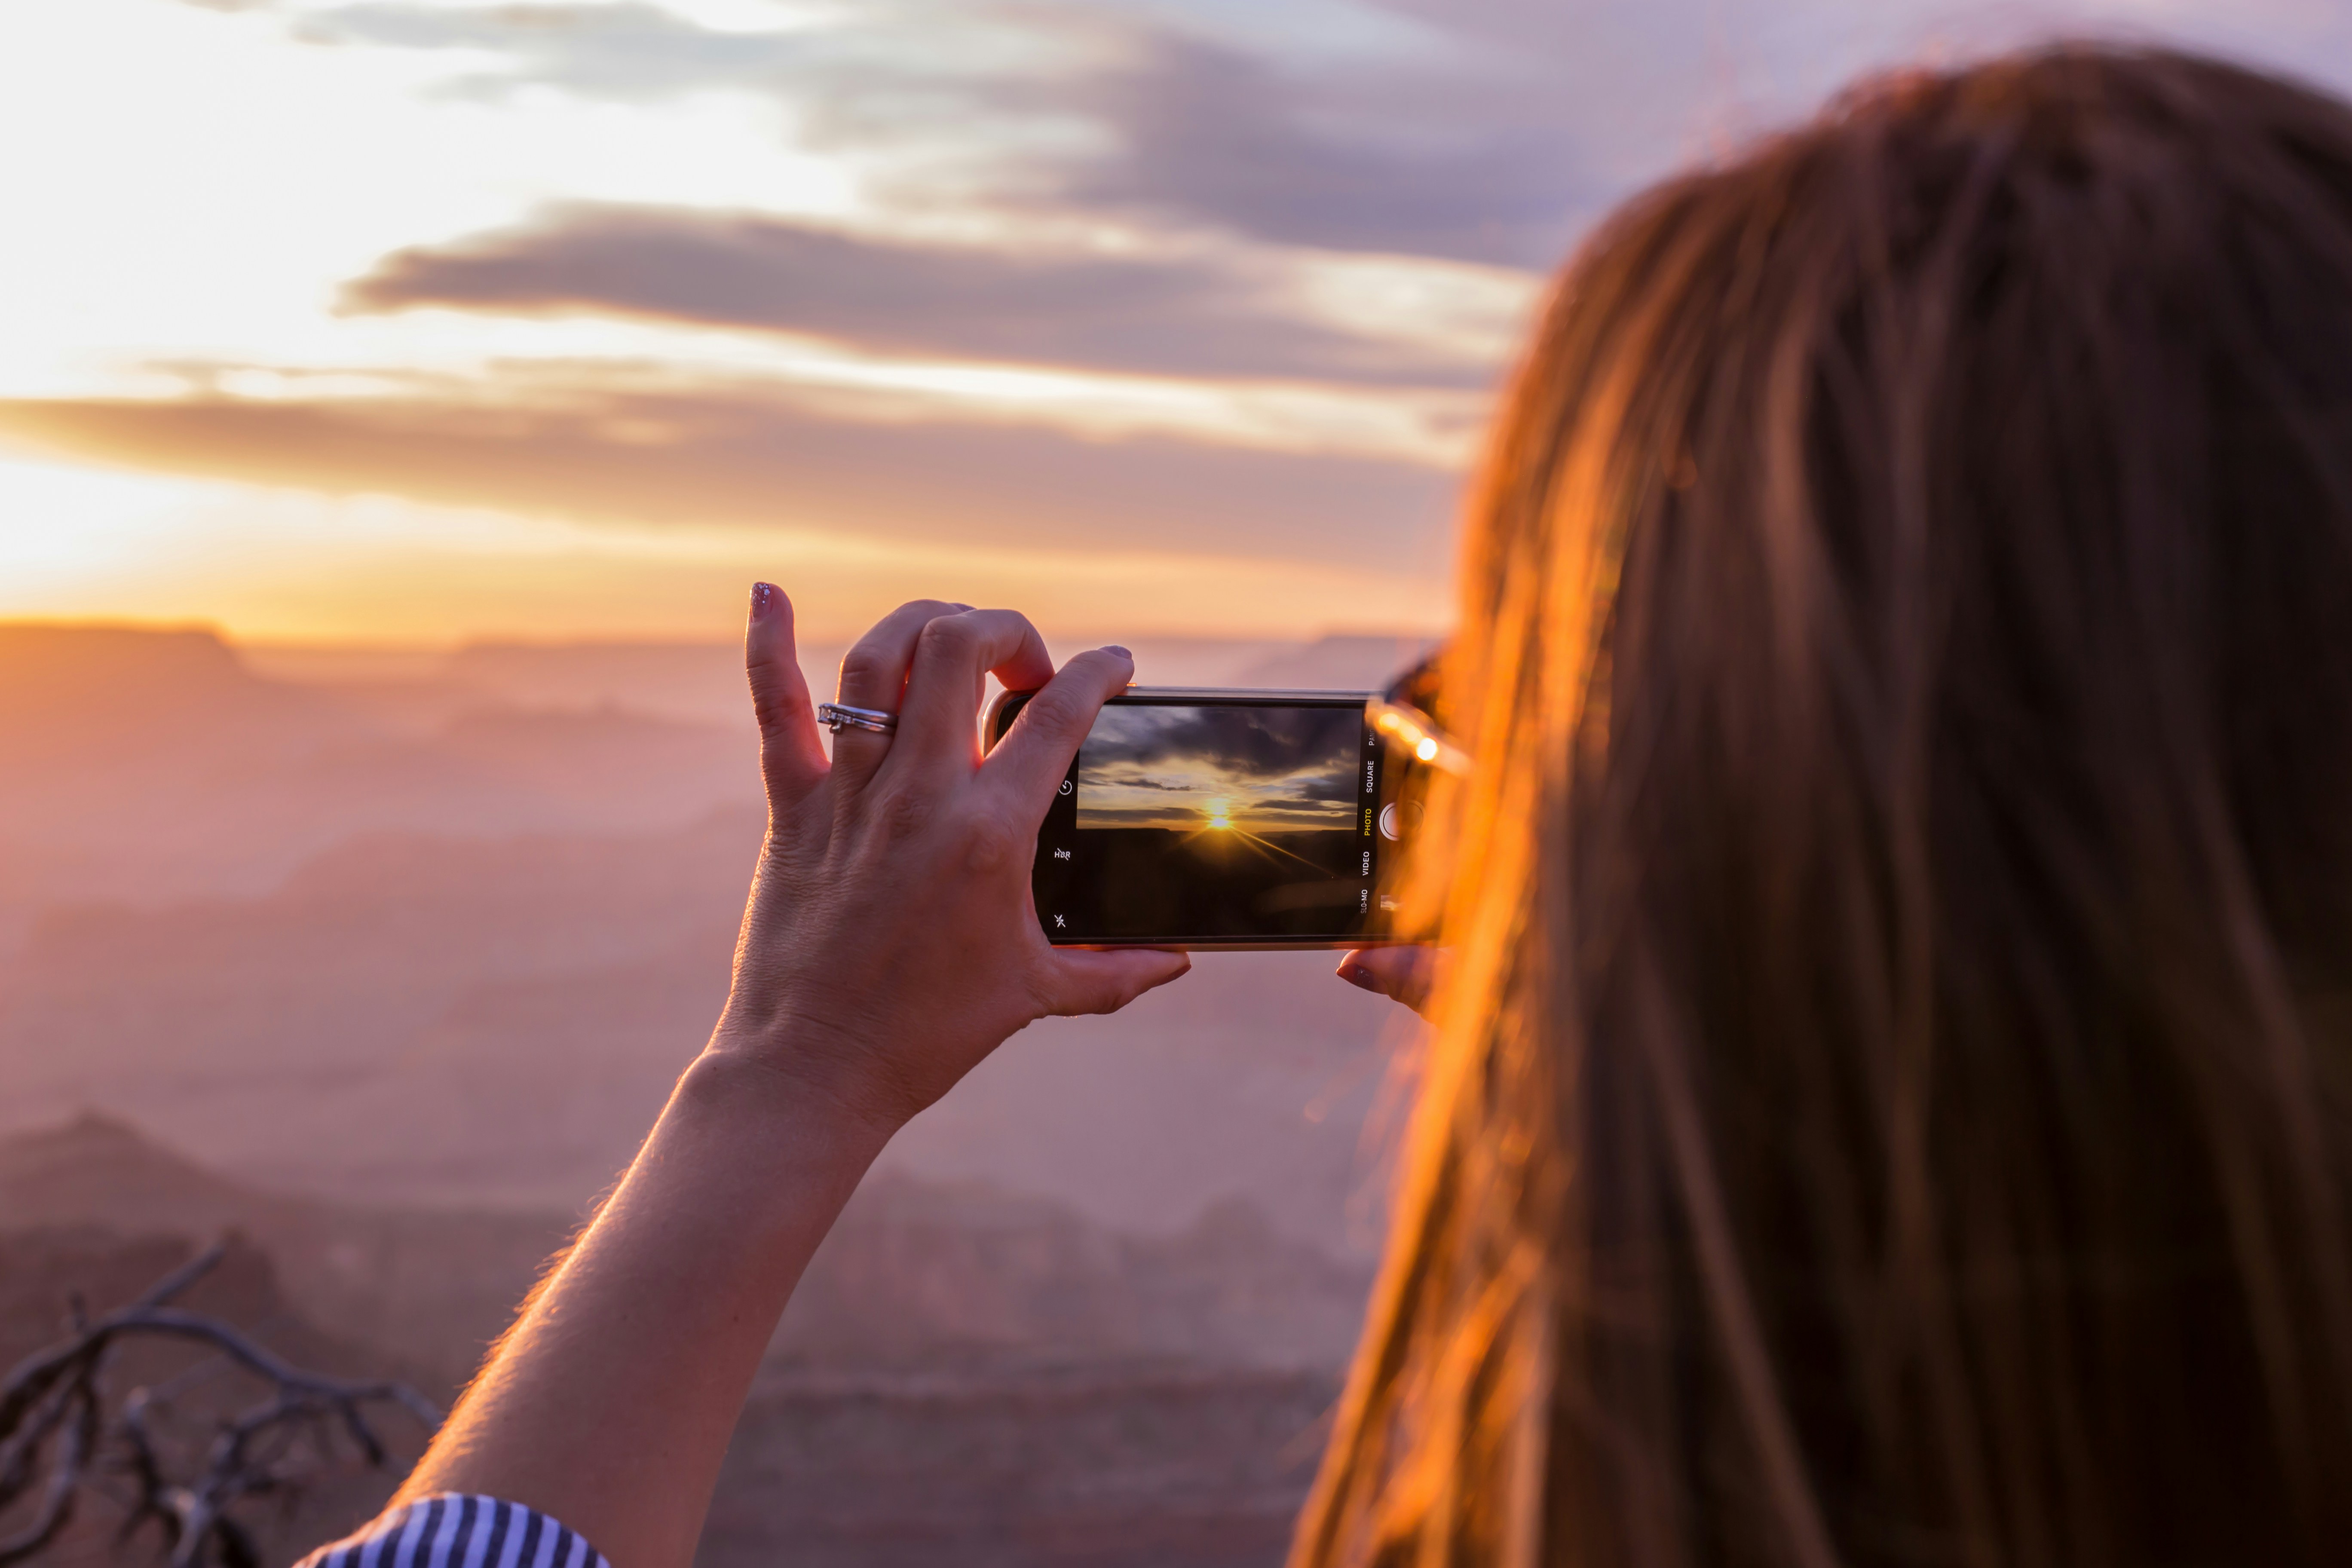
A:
[1220, 811]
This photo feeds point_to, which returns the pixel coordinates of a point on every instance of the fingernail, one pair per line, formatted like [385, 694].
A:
[1357, 974]
[1114, 647]
[764, 600]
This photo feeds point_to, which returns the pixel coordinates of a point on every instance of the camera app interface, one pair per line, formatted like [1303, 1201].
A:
[1200, 821]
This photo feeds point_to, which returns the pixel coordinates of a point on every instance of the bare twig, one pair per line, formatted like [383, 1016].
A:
[52, 1405]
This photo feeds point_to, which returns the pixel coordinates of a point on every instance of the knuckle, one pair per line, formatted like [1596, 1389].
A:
[771, 709]
[903, 813]
[1057, 712]
[861, 666]
[990, 846]
[948, 637]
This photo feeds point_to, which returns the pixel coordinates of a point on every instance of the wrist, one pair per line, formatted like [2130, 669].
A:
[810, 1113]
[804, 1065]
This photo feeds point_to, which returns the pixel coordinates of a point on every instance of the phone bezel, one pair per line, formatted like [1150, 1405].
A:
[1005, 707]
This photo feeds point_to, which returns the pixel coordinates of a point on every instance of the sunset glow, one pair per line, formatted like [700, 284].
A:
[422, 320]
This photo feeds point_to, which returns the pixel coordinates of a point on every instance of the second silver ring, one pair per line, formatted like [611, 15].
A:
[837, 717]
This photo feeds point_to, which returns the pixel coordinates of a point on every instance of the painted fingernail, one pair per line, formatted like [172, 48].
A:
[764, 600]
[1357, 974]
[1114, 647]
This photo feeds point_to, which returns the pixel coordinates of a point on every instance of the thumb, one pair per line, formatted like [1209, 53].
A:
[1407, 974]
[792, 758]
[1087, 980]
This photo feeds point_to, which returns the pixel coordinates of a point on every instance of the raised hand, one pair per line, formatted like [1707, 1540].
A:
[891, 942]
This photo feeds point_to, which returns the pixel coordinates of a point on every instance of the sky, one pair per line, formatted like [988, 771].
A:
[1198, 770]
[408, 321]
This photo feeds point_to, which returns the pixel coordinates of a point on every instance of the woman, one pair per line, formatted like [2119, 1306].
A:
[1890, 1096]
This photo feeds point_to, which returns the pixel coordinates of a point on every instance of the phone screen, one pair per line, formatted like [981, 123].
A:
[1235, 819]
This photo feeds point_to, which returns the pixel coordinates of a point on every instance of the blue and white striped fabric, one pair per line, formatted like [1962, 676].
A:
[451, 1530]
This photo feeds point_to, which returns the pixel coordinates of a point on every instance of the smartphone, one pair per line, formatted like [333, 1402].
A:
[1201, 818]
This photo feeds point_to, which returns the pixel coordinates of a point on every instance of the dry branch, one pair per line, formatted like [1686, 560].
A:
[55, 1432]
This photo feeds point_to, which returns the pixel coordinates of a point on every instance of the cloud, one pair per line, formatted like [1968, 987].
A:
[1188, 316]
[628, 50]
[1208, 134]
[1491, 131]
[1229, 742]
[747, 457]
[1054, 105]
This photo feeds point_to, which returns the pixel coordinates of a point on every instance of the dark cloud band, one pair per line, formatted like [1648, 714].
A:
[744, 457]
[1239, 742]
[1123, 313]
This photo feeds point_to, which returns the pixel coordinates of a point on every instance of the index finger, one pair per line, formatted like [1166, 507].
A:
[792, 759]
[1029, 763]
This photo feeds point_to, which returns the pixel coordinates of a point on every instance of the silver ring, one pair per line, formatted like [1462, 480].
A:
[836, 718]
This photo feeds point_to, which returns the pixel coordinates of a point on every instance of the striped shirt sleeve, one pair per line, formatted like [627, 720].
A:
[452, 1530]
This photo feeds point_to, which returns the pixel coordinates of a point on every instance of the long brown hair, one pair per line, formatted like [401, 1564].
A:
[1890, 1101]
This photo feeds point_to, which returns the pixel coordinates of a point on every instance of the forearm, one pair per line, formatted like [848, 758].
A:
[610, 1405]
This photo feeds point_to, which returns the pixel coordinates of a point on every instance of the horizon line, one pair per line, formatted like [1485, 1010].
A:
[418, 646]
